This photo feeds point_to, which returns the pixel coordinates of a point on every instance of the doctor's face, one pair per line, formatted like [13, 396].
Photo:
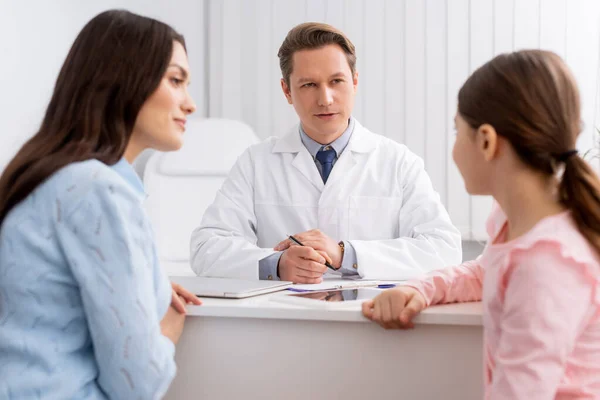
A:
[322, 89]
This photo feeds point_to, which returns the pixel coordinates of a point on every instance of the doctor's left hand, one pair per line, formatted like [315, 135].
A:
[180, 296]
[318, 241]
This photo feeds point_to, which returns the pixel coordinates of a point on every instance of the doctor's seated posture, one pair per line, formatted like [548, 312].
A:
[356, 200]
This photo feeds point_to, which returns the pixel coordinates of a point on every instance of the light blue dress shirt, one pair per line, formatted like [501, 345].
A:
[267, 267]
[81, 291]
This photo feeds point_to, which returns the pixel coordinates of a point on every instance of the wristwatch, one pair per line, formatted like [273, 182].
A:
[341, 244]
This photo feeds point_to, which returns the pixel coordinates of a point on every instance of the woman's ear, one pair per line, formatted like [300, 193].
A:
[487, 141]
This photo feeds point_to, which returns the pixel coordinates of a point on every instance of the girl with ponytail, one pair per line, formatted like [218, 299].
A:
[517, 124]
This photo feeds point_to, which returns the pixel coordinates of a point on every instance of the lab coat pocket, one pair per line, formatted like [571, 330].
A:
[373, 218]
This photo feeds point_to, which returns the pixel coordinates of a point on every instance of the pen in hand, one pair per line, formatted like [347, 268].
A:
[293, 239]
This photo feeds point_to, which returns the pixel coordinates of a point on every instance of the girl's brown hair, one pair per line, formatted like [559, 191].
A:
[531, 98]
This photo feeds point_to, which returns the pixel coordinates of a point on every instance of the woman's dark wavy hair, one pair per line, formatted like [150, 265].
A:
[116, 62]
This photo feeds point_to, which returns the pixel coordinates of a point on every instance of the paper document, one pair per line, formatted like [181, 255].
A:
[337, 283]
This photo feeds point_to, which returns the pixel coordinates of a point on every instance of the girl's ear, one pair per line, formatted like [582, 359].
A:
[487, 141]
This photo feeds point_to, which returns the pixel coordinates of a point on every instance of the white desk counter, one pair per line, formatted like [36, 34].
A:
[259, 349]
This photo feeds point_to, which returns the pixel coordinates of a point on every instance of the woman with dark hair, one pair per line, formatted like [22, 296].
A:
[84, 307]
[538, 278]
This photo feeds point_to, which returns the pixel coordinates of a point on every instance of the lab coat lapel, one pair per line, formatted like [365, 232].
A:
[360, 142]
[303, 161]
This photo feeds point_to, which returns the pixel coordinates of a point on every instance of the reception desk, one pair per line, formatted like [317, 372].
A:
[260, 349]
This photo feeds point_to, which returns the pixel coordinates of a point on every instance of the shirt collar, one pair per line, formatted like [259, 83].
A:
[338, 144]
[126, 171]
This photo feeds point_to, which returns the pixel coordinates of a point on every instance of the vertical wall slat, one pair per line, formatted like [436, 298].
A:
[316, 10]
[482, 50]
[504, 11]
[583, 27]
[354, 28]
[249, 49]
[264, 65]
[527, 24]
[457, 43]
[596, 123]
[334, 13]
[231, 101]
[215, 58]
[286, 15]
[415, 79]
[373, 84]
[394, 116]
[436, 124]
[553, 25]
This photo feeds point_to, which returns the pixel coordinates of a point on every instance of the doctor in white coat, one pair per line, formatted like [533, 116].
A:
[353, 198]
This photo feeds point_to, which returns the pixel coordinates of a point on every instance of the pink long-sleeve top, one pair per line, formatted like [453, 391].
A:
[541, 309]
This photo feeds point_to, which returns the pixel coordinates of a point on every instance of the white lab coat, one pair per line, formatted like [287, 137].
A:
[378, 197]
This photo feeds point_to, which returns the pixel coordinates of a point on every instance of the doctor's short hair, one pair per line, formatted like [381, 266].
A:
[312, 35]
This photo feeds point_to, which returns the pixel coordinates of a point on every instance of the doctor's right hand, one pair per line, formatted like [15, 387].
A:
[302, 264]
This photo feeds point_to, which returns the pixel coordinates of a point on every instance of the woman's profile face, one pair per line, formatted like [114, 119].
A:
[161, 121]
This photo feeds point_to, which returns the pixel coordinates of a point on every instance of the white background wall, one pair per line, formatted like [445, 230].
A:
[35, 37]
[413, 55]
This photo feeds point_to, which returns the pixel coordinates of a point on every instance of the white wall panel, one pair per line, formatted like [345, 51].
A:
[334, 13]
[481, 51]
[413, 56]
[286, 15]
[553, 26]
[231, 101]
[354, 14]
[458, 48]
[393, 60]
[36, 35]
[414, 77]
[316, 10]
[436, 115]
[504, 11]
[373, 73]
[527, 24]
[265, 64]
[583, 37]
